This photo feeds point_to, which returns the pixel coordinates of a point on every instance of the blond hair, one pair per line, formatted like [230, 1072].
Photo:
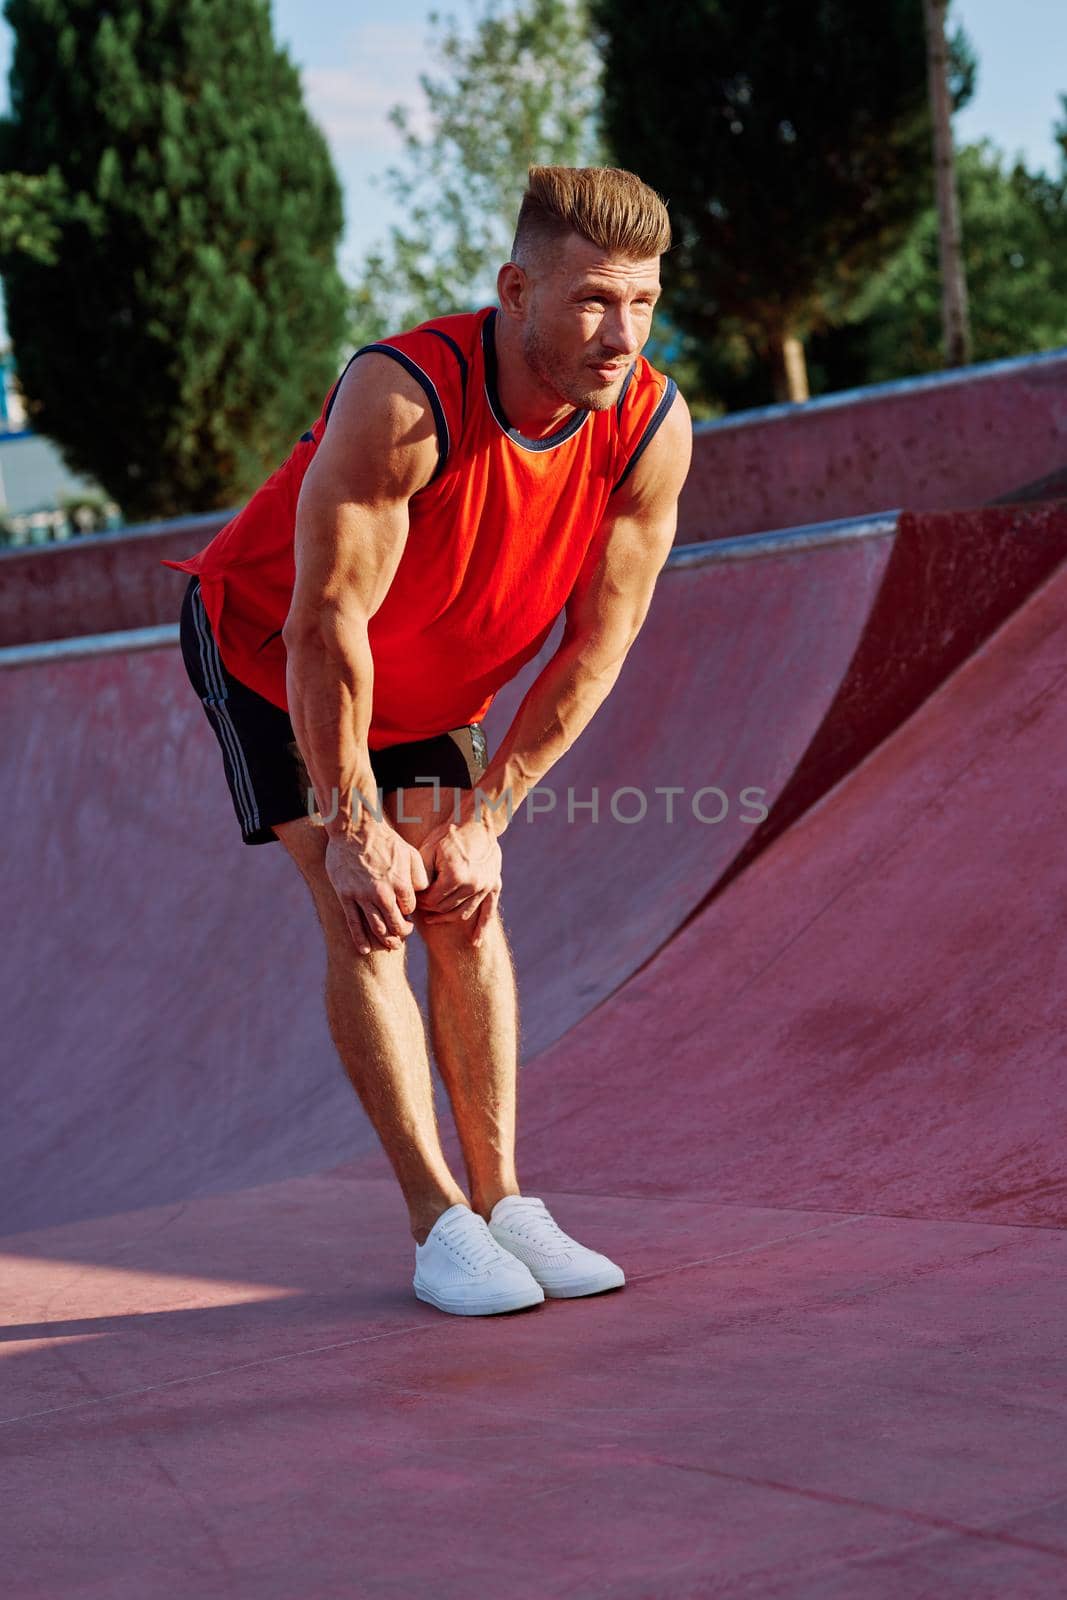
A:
[608, 206]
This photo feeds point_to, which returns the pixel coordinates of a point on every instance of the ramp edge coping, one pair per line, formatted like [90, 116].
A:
[746, 547]
[870, 394]
[89, 644]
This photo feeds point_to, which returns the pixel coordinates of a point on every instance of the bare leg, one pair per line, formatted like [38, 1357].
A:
[377, 1028]
[474, 1027]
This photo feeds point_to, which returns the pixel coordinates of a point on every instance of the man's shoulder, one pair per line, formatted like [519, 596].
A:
[436, 357]
[458, 332]
[440, 354]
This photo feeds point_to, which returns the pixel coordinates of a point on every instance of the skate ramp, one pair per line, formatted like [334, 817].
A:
[104, 583]
[823, 1132]
[166, 983]
[952, 578]
[944, 441]
[871, 1017]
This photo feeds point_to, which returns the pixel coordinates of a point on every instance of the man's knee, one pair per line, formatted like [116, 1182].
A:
[306, 844]
[458, 932]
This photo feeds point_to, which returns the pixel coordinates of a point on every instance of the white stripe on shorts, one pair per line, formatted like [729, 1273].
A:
[211, 666]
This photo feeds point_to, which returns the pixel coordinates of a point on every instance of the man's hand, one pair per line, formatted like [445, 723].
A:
[464, 861]
[376, 875]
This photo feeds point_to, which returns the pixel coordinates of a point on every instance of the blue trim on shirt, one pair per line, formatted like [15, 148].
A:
[336, 388]
[460, 357]
[669, 392]
[426, 384]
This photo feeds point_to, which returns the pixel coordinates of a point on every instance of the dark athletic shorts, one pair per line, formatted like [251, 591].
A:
[264, 768]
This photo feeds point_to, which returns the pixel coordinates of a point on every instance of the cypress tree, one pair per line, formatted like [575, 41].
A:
[182, 327]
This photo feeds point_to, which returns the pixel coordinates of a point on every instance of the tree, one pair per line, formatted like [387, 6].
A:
[953, 276]
[30, 209]
[176, 328]
[1015, 256]
[792, 143]
[521, 88]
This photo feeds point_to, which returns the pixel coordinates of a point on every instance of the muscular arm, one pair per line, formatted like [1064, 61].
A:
[351, 527]
[604, 615]
[379, 447]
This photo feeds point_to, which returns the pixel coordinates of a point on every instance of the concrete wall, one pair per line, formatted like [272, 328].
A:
[941, 443]
[948, 442]
[100, 584]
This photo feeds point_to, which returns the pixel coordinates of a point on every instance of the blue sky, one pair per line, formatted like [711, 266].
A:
[358, 59]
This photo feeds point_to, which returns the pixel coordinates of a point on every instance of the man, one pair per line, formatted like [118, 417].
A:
[467, 481]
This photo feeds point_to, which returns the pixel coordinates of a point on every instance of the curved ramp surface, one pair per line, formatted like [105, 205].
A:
[951, 580]
[871, 1017]
[171, 1000]
[104, 583]
[945, 441]
[166, 983]
[948, 440]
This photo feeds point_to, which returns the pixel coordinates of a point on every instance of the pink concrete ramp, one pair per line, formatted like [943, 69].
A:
[945, 441]
[871, 1016]
[183, 1052]
[822, 1129]
[104, 583]
[950, 580]
[171, 1007]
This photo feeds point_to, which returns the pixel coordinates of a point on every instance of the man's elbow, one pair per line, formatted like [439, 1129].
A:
[330, 628]
[598, 656]
[300, 629]
[607, 638]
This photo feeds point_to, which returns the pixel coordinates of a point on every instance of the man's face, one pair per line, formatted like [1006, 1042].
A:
[588, 316]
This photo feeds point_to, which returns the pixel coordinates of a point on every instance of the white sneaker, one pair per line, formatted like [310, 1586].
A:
[462, 1269]
[561, 1265]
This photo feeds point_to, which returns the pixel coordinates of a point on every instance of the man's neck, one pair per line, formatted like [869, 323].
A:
[530, 405]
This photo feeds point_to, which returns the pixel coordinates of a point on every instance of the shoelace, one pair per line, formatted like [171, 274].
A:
[540, 1218]
[477, 1248]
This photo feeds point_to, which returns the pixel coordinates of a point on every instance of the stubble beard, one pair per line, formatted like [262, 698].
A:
[547, 365]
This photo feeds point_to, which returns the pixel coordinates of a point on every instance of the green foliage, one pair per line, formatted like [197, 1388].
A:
[32, 211]
[519, 89]
[1016, 274]
[1060, 134]
[792, 142]
[1014, 226]
[175, 312]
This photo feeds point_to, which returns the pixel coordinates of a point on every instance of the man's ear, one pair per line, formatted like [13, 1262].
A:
[513, 289]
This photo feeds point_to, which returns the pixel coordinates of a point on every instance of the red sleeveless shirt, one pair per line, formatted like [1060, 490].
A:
[495, 540]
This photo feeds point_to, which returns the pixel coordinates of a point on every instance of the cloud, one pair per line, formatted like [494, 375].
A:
[351, 101]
